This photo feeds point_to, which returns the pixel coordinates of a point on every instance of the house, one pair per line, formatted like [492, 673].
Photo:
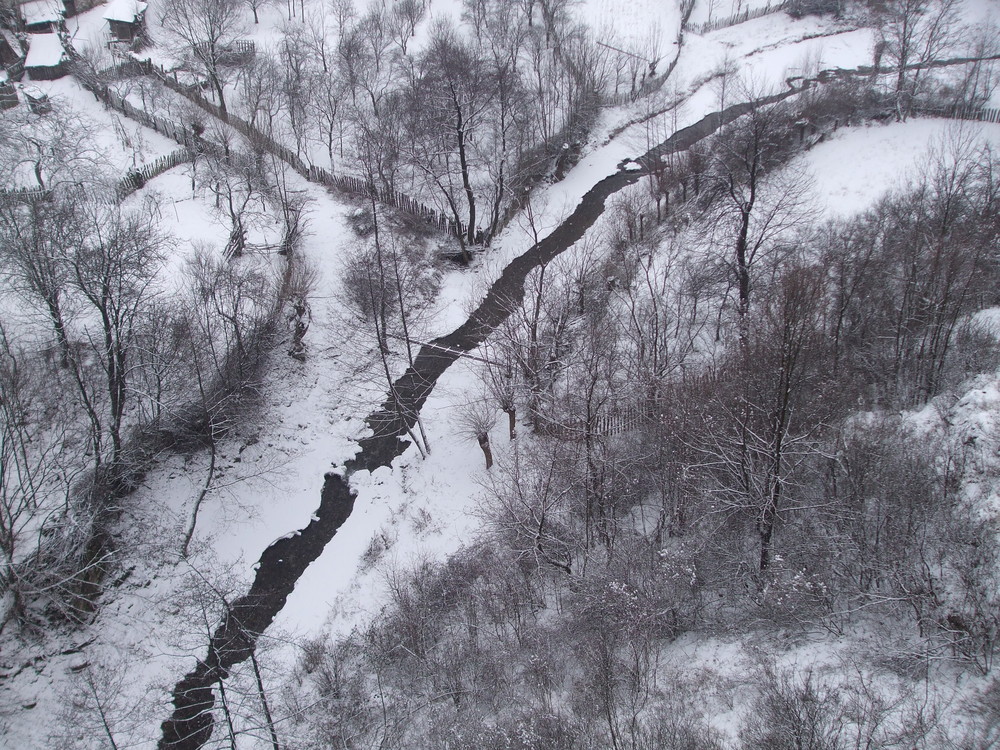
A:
[42, 16]
[47, 59]
[127, 19]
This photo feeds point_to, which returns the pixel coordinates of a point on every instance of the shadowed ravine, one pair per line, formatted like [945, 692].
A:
[282, 563]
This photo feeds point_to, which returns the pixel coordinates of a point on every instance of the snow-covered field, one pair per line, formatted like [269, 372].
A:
[857, 166]
[648, 28]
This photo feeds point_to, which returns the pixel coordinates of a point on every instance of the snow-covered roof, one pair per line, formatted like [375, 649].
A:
[3, 76]
[42, 11]
[44, 51]
[33, 92]
[125, 11]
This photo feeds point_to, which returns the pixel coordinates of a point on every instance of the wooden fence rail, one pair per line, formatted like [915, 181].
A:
[738, 18]
[139, 177]
[960, 112]
[343, 183]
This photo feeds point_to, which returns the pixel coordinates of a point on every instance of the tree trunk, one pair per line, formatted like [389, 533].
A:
[464, 162]
[263, 702]
[484, 443]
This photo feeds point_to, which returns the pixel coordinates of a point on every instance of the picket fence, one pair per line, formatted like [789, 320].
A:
[139, 177]
[23, 195]
[615, 422]
[738, 18]
[959, 112]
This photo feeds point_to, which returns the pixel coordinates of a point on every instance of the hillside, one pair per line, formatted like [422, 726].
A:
[495, 374]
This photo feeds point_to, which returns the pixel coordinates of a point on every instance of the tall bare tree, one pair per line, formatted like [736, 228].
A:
[205, 31]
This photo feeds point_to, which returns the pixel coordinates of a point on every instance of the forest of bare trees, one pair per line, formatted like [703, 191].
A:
[769, 483]
[105, 365]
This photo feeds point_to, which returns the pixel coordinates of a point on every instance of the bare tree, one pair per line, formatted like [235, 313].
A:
[205, 31]
[916, 32]
[761, 423]
[36, 442]
[476, 420]
[459, 91]
[256, 5]
[757, 205]
[113, 272]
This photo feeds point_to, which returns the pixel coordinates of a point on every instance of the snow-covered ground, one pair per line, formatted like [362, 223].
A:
[310, 413]
[648, 28]
[706, 11]
[856, 166]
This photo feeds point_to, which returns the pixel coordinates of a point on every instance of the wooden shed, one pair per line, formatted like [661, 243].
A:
[127, 20]
[11, 50]
[37, 100]
[47, 59]
[42, 16]
[11, 55]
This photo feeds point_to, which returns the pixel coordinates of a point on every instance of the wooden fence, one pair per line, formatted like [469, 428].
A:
[394, 198]
[139, 177]
[747, 15]
[15, 71]
[24, 195]
[126, 67]
[343, 183]
[131, 182]
[959, 112]
[617, 421]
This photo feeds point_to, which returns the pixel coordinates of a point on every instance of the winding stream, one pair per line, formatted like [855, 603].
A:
[284, 561]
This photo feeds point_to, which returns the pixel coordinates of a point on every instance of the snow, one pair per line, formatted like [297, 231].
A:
[716, 10]
[124, 10]
[645, 27]
[42, 11]
[44, 51]
[857, 166]
[310, 413]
